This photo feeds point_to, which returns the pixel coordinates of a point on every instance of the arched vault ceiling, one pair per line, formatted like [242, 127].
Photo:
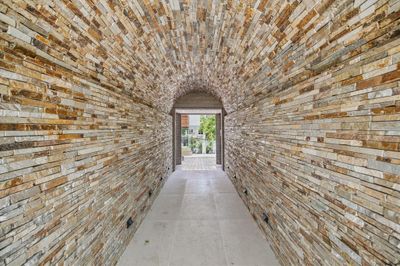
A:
[159, 50]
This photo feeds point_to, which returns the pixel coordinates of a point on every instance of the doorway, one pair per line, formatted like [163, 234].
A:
[198, 141]
[201, 104]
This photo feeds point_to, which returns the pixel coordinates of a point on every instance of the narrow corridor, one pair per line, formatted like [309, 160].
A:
[198, 219]
[298, 100]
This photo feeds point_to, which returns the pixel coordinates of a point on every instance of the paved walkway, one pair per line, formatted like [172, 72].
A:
[198, 219]
[199, 162]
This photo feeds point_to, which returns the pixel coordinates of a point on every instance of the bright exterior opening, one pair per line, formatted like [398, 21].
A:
[198, 142]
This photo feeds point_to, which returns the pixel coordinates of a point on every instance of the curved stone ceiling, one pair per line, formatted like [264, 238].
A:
[157, 51]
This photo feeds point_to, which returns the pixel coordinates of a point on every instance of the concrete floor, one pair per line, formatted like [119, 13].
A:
[198, 219]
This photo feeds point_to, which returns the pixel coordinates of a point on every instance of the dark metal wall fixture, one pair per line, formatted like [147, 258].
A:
[129, 222]
[265, 217]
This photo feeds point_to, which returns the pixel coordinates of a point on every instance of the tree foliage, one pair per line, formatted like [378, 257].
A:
[207, 126]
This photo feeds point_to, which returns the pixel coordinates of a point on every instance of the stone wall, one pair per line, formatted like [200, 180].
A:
[317, 159]
[78, 156]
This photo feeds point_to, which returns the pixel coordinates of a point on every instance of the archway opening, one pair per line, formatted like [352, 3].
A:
[198, 132]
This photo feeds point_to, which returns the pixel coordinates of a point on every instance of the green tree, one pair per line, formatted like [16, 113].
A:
[195, 145]
[207, 126]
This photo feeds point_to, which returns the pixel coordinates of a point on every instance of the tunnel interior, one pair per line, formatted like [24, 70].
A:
[311, 100]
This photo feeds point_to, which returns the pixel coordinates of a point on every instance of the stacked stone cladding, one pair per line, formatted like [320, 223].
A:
[317, 159]
[78, 155]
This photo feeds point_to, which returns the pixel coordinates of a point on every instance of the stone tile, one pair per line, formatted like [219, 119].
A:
[166, 207]
[198, 206]
[198, 242]
[230, 206]
[198, 186]
[197, 237]
[244, 245]
[222, 185]
[151, 245]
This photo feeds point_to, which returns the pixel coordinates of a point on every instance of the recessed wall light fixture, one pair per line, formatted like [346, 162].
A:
[129, 222]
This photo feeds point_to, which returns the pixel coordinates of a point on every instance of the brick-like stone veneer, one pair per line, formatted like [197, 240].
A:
[78, 157]
[77, 160]
[320, 157]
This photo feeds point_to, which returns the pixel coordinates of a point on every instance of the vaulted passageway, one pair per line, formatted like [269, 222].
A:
[311, 94]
